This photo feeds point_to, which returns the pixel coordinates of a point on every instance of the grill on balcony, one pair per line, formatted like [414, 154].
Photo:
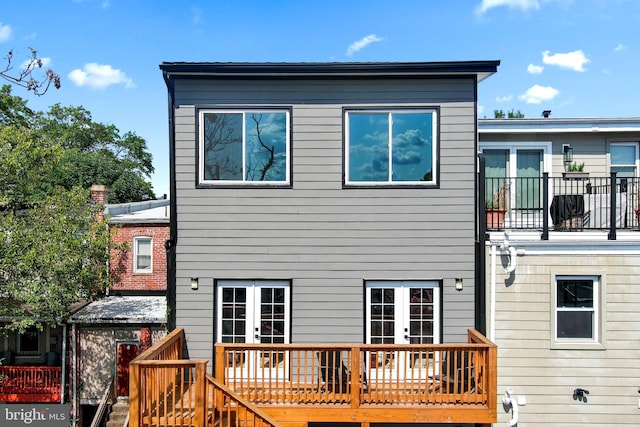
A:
[562, 204]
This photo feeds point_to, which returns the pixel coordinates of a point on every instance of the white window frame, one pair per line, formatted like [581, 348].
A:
[402, 292]
[252, 315]
[635, 164]
[390, 182]
[244, 112]
[136, 254]
[513, 149]
[597, 312]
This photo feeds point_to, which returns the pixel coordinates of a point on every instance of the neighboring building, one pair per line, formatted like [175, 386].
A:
[325, 203]
[111, 332]
[562, 276]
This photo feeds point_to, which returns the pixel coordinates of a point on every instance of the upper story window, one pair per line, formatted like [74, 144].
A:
[142, 252]
[624, 159]
[244, 147]
[577, 309]
[391, 147]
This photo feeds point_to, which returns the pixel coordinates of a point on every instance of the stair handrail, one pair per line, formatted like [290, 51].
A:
[107, 398]
[240, 403]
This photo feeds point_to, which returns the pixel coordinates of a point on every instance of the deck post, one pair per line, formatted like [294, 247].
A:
[200, 391]
[219, 374]
[492, 359]
[356, 378]
[134, 394]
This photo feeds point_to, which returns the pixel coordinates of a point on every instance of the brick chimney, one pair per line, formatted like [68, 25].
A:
[99, 196]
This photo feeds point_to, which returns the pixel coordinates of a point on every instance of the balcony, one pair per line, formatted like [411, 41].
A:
[30, 384]
[565, 204]
[294, 384]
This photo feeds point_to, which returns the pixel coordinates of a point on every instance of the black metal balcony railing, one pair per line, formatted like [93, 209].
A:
[562, 204]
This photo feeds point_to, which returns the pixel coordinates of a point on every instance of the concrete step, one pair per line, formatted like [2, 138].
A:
[118, 414]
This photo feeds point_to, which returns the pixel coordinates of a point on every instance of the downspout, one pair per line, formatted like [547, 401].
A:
[74, 374]
[170, 245]
[64, 362]
[492, 293]
[480, 247]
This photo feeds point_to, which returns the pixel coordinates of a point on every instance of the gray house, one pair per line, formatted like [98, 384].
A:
[562, 267]
[324, 203]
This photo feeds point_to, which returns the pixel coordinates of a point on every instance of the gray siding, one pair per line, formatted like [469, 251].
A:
[325, 239]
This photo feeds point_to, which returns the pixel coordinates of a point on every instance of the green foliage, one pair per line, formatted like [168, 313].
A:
[54, 255]
[54, 250]
[575, 167]
[512, 114]
[89, 152]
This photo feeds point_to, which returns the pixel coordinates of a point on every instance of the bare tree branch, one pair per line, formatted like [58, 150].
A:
[25, 77]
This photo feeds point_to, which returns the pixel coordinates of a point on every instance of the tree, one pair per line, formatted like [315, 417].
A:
[96, 153]
[512, 114]
[54, 255]
[54, 249]
[89, 152]
[25, 76]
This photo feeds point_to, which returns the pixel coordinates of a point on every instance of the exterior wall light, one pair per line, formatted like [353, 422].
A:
[459, 284]
[194, 283]
[567, 153]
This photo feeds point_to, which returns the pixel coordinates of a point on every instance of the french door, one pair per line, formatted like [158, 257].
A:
[254, 312]
[519, 170]
[402, 312]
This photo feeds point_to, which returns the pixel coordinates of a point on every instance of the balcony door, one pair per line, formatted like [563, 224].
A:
[402, 312]
[254, 312]
[520, 169]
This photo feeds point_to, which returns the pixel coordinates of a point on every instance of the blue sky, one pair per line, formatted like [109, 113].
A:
[578, 58]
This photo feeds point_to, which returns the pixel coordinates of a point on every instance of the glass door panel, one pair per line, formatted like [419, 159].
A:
[254, 312]
[402, 313]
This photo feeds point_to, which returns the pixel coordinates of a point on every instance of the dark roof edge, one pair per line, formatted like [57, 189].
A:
[186, 69]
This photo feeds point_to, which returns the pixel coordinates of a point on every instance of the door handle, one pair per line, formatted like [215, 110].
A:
[257, 336]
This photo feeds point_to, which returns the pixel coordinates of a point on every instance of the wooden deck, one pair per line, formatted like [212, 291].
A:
[296, 384]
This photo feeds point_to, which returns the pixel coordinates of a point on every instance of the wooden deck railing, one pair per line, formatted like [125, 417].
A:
[356, 375]
[173, 391]
[30, 383]
[264, 384]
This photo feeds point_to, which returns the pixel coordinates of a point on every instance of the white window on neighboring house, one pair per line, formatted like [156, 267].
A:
[391, 147]
[577, 309]
[29, 342]
[244, 147]
[142, 255]
[624, 159]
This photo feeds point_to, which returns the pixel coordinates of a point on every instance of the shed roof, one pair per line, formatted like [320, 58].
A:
[123, 309]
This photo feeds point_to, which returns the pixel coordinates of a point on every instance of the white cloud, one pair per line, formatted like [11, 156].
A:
[619, 47]
[506, 98]
[535, 69]
[5, 32]
[45, 63]
[513, 4]
[362, 43]
[480, 109]
[536, 94]
[97, 76]
[571, 60]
